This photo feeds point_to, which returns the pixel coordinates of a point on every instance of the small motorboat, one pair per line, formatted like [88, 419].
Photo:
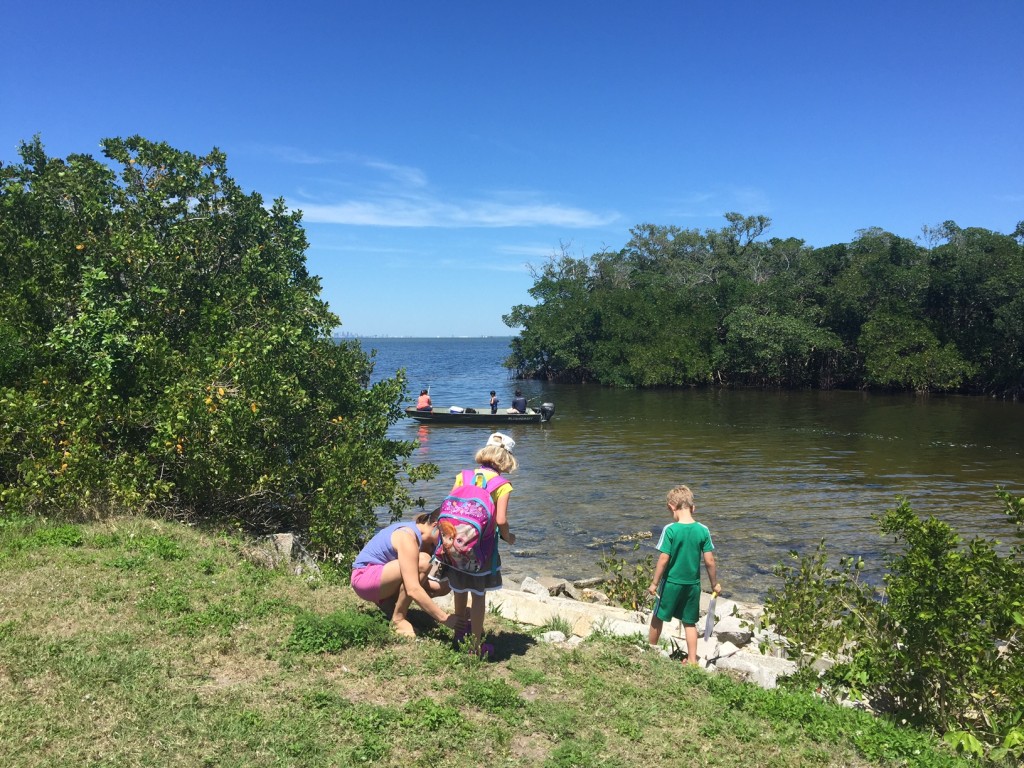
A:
[457, 415]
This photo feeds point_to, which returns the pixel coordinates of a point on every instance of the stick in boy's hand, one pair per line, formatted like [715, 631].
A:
[709, 624]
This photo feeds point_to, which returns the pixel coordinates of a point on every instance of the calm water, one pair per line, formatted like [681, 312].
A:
[770, 471]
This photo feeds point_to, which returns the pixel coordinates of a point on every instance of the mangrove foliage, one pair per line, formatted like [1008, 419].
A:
[682, 307]
[163, 349]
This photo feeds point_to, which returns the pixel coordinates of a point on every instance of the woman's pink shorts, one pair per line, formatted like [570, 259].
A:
[366, 581]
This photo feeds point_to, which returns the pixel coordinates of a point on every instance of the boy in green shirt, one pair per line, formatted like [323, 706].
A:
[683, 544]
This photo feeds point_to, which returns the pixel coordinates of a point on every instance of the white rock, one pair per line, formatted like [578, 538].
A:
[552, 637]
[622, 628]
[731, 629]
[762, 670]
[533, 587]
[707, 649]
[727, 649]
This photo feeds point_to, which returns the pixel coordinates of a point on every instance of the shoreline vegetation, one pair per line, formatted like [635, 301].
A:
[135, 642]
[727, 307]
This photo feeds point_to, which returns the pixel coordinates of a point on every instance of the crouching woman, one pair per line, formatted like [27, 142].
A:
[393, 567]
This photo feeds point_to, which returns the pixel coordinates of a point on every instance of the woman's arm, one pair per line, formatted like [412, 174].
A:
[405, 544]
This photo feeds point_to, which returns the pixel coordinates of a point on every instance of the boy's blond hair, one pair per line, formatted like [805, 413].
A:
[496, 457]
[680, 496]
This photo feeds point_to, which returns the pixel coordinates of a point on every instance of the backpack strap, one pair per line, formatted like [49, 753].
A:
[495, 483]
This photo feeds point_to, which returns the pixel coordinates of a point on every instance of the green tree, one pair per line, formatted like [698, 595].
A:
[902, 353]
[558, 332]
[682, 307]
[176, 356]
[975, 301]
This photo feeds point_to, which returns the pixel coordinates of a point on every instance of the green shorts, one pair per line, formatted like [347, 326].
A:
[678, 601]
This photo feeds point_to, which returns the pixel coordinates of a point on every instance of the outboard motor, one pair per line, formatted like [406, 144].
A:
[547, 411]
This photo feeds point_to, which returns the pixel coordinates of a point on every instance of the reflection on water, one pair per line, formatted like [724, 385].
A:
[770, 471]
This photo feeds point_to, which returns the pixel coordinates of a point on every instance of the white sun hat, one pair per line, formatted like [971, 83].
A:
[498, 438]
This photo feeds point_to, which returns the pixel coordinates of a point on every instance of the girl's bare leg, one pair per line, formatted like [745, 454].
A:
[477, 611]
[461, 599]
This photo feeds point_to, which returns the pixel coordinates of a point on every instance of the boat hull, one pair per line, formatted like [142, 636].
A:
[445, 416]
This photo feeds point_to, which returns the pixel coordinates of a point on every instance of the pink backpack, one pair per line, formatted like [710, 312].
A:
[466, 523]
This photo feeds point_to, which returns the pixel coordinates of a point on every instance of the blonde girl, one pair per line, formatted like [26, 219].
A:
[494, 459]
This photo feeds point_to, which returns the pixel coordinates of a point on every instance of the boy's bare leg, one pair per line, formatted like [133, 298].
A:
[654, 633]
[691, 643]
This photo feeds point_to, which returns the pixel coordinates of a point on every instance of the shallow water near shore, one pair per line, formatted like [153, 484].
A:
[771, 471]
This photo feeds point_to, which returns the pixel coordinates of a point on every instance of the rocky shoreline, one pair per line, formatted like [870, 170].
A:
[735, 643]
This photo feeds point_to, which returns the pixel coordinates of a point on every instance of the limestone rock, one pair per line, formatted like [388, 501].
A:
[762, 670]
[555, 587]
[727, 649]
[552, 637]
[594, 596]
[734, 630]
[282, 550]
[624, 628]
[533, 587]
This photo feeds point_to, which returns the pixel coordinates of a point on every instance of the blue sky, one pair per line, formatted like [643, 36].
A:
[437, 149]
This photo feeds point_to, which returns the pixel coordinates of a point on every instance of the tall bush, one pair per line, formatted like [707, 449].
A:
[943, 648]
[164, 348]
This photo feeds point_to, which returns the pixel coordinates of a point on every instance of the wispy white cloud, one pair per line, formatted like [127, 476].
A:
[427, 211]
[395, 195]
[403, 174]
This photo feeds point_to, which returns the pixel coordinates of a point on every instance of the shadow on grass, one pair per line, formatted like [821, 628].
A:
[510, 643]
[507, 642]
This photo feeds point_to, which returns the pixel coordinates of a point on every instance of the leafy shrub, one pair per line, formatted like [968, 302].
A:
[627, 583]
[314, 633]
[164, 349]
[820, 609]
[558, 624]
[944, 649]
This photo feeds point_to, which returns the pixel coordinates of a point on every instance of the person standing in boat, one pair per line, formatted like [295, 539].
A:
[423, 401]
[519, 402]
[494, 403]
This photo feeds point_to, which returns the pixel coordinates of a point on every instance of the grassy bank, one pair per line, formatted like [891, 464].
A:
[138, 643]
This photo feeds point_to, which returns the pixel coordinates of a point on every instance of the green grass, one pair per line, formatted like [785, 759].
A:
[138, 643]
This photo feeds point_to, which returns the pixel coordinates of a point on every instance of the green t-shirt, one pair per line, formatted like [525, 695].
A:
[685, 544]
